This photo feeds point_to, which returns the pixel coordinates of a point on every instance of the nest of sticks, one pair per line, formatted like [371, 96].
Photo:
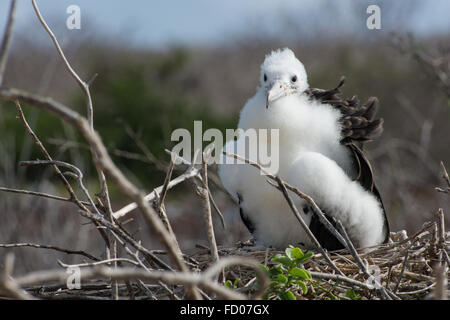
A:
[408, 267]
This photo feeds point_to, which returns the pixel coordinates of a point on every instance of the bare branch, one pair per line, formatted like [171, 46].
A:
[190, 173]
[83, 85]
[7, 39]
[361, 265]
[46, 154]
[102, 158]
[7, 285]
[50, 247]
[305, 227]
[202, 280]
[40, 194]
[203, 192]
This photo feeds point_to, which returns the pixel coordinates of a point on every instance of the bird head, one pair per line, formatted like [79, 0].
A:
[282, 74]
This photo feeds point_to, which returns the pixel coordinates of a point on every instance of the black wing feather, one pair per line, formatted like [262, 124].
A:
[358, 126]
[245, 219]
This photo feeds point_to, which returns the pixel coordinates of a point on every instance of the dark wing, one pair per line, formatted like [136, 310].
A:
[245, 219]
[358, 126]
[325, 237]
[358, 121]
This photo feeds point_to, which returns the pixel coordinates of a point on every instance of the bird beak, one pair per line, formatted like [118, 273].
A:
[275, 91]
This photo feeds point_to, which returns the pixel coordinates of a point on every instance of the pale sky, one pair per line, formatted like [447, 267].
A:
[160, 23]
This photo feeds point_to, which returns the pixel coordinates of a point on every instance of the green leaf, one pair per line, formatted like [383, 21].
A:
[297, 253]
[281, 278]
[287, 295]
[229, 284]
[288, 252]
[301, 273]
[282, 259]
[275, 271]
[303, 286]
[304, 258]
[352, 294]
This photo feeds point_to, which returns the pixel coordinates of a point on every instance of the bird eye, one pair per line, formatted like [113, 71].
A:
[294, 79]
[265, 77]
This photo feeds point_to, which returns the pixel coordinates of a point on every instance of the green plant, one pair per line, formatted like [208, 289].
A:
[352, 294]
[287, 276]
[232, 284]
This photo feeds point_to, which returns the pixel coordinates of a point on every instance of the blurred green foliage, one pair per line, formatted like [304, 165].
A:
[144, 94]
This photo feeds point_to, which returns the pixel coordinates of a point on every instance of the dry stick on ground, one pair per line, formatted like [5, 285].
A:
[7, 39]
[8, 287]
[386, 294]
[440, 267]
[405, 261]
[203, 193]
[202, 280]
[337, 277]
[50, 247]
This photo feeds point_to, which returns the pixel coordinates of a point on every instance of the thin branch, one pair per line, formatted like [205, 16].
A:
[97, 263]
[165, 188]
[361, 265]
[7, 39]
[202, 280]
[203, 192]
[282, 186]
[9, 287]
[337, 277]
[305, 227]
[90, 116]
[83, 85]
[405, 260]
[41, 194]
[102, 158]
[190, 173]
[76, 173]
[46, 154]
[50, 247]
[127, 239]
[446, 179]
